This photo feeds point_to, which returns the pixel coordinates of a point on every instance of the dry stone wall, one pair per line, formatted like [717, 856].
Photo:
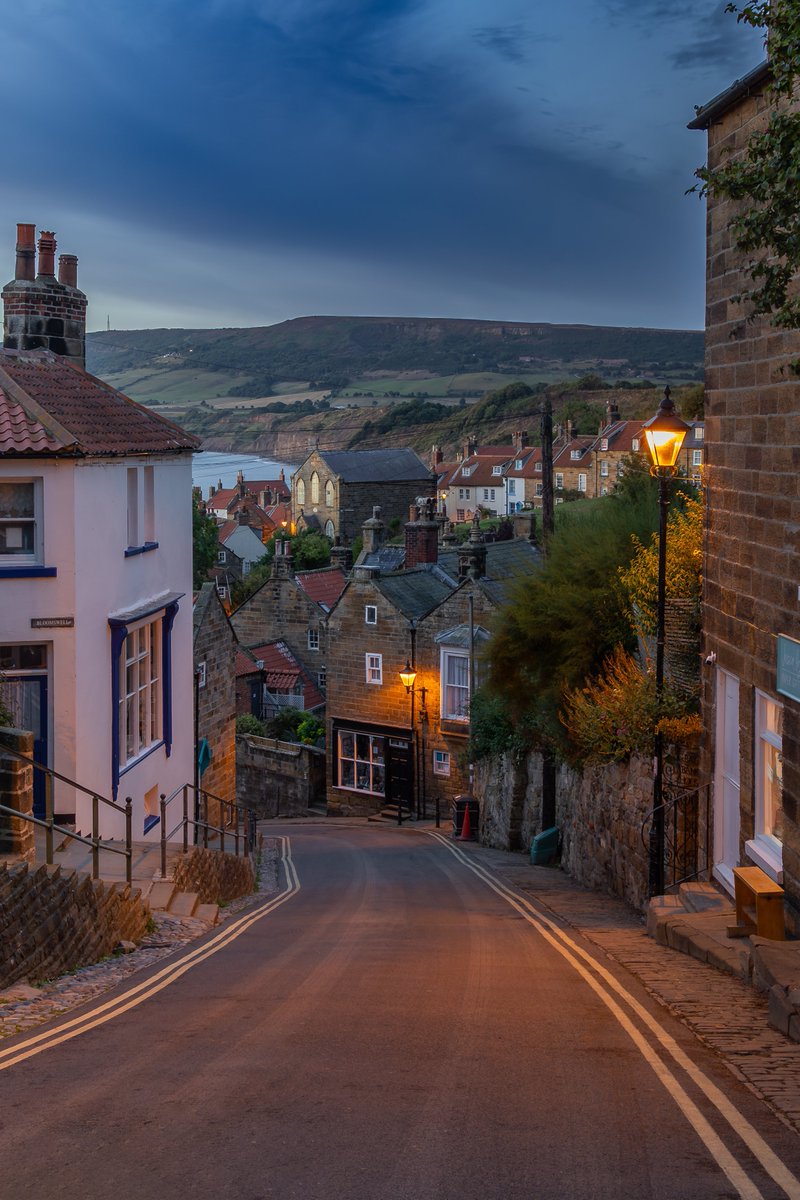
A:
[53, 920]
[215, 877]
[278, 779]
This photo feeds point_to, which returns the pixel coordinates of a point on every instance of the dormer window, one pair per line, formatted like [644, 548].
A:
[699, 430]
[603, 443]
[466, 472]
[635, 445]
[497, 470]
[575, 454]
[518, 464]
[537, 466]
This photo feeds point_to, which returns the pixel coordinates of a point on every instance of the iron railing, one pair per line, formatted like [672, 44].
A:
[49, 824]
[685, 852]
[237, 822]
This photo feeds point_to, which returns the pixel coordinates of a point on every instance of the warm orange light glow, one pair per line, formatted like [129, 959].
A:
[408, 676]
[665, 433]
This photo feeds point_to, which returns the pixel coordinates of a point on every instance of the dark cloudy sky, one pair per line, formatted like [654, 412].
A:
[238, 162]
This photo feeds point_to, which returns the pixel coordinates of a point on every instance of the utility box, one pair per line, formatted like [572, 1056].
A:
[544, 848]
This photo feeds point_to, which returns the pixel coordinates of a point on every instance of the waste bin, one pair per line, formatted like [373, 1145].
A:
[462, 804]
[544, 848]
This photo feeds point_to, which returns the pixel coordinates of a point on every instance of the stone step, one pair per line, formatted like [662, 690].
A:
[704, 897]
[160, 893]
[184, 904]
[207, 912]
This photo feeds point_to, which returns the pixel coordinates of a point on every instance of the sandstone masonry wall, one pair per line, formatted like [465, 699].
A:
[52, 921]
[216, 877]
[279, 779]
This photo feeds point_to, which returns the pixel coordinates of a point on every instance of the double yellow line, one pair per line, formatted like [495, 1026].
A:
[65, 1030]
[610, 991]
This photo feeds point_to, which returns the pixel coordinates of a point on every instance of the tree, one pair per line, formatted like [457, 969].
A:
[762, 181]
[204, 542]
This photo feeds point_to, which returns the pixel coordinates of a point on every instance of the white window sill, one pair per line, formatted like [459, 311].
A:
[766, 853]
[724, 875]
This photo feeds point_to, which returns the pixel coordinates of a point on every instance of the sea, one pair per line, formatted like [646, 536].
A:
[211, 466]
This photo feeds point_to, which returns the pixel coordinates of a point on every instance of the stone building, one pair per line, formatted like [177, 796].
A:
[429, 606]
[334, 492]
[751, 620]
[215, 682]
[292, 607]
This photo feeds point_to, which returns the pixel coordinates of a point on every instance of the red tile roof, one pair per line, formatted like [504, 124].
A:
[323, 587]
[21, 433]
[282, 672]
[73, 412]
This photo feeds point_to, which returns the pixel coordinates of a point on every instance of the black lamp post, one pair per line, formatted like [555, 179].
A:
[665, 433]
[408, 678]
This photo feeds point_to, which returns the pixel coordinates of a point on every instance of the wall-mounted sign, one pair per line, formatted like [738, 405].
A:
[52, 622]
[788, 681]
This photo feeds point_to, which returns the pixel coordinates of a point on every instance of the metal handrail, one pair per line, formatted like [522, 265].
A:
[245, 834]
[48, 824]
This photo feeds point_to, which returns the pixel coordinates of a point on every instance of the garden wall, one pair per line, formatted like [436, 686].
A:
[599, 812]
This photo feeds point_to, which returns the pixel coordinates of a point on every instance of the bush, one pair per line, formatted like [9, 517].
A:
[247, 723]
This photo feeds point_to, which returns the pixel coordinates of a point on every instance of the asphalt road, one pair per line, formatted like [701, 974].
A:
[394, 1025]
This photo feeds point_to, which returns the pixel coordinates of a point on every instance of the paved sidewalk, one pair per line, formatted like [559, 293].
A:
[726, 1014]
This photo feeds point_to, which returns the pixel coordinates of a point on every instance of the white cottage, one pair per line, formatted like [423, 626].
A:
[95, 561]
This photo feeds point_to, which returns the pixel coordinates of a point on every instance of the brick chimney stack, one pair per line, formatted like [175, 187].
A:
[520, 439]
[40, 311]
[422, 536]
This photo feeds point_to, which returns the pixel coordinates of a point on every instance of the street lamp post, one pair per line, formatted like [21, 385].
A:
[408, 678]
[665, 433]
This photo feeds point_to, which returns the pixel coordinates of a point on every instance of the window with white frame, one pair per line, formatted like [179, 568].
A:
[512, 487]
[769, 768]
[574, 454]
[559, 481]
[697, 458]
[497, 470]
[699, 431]
[374, 668]
[581, 482]
[441, 762]
[635, 445]
[537, 466]
[604, 443]
[454, 684]
[518, 464]
[20, 521]
[140, 690]
[361, 762]
[222, 556]
[371, 614]
[604, 467]
[464, 493]
[322, 677]
[313, 639]
[488, 493]
[201, 673]
[539, 489]
[246, 565]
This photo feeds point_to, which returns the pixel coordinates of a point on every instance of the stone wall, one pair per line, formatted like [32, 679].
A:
[53, 920]
[278, 779]
[599, 812]
[16, 791]
[216, 877]
[280, 609]
[215, 646]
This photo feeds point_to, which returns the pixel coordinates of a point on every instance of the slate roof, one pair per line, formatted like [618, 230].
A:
[323, 587]
[50, 406]
[414, 593]
[376, 466]
[245, 543]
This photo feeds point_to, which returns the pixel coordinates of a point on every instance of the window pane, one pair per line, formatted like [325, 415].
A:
[16, 500]
[362, 746]
[346, 745]
[347, 773]
[377, 749]
[362, 777]
[378, 780]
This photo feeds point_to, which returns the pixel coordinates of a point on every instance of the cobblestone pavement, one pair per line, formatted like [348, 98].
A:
[726, 1014]
[23, 1006]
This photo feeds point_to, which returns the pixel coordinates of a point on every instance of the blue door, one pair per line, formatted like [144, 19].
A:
[26, 697]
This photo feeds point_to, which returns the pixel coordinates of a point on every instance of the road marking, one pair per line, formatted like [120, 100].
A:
[572, 952]
[66, 1030]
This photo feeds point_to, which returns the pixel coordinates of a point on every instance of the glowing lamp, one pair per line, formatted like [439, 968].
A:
[408, 676]
[665, 433]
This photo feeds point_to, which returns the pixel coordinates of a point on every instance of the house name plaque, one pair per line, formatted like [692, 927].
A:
[788, 681]
[52, 622]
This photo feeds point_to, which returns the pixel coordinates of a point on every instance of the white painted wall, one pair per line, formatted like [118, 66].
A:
[85, 537]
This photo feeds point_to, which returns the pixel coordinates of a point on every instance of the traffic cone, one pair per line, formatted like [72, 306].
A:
[466, 826]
